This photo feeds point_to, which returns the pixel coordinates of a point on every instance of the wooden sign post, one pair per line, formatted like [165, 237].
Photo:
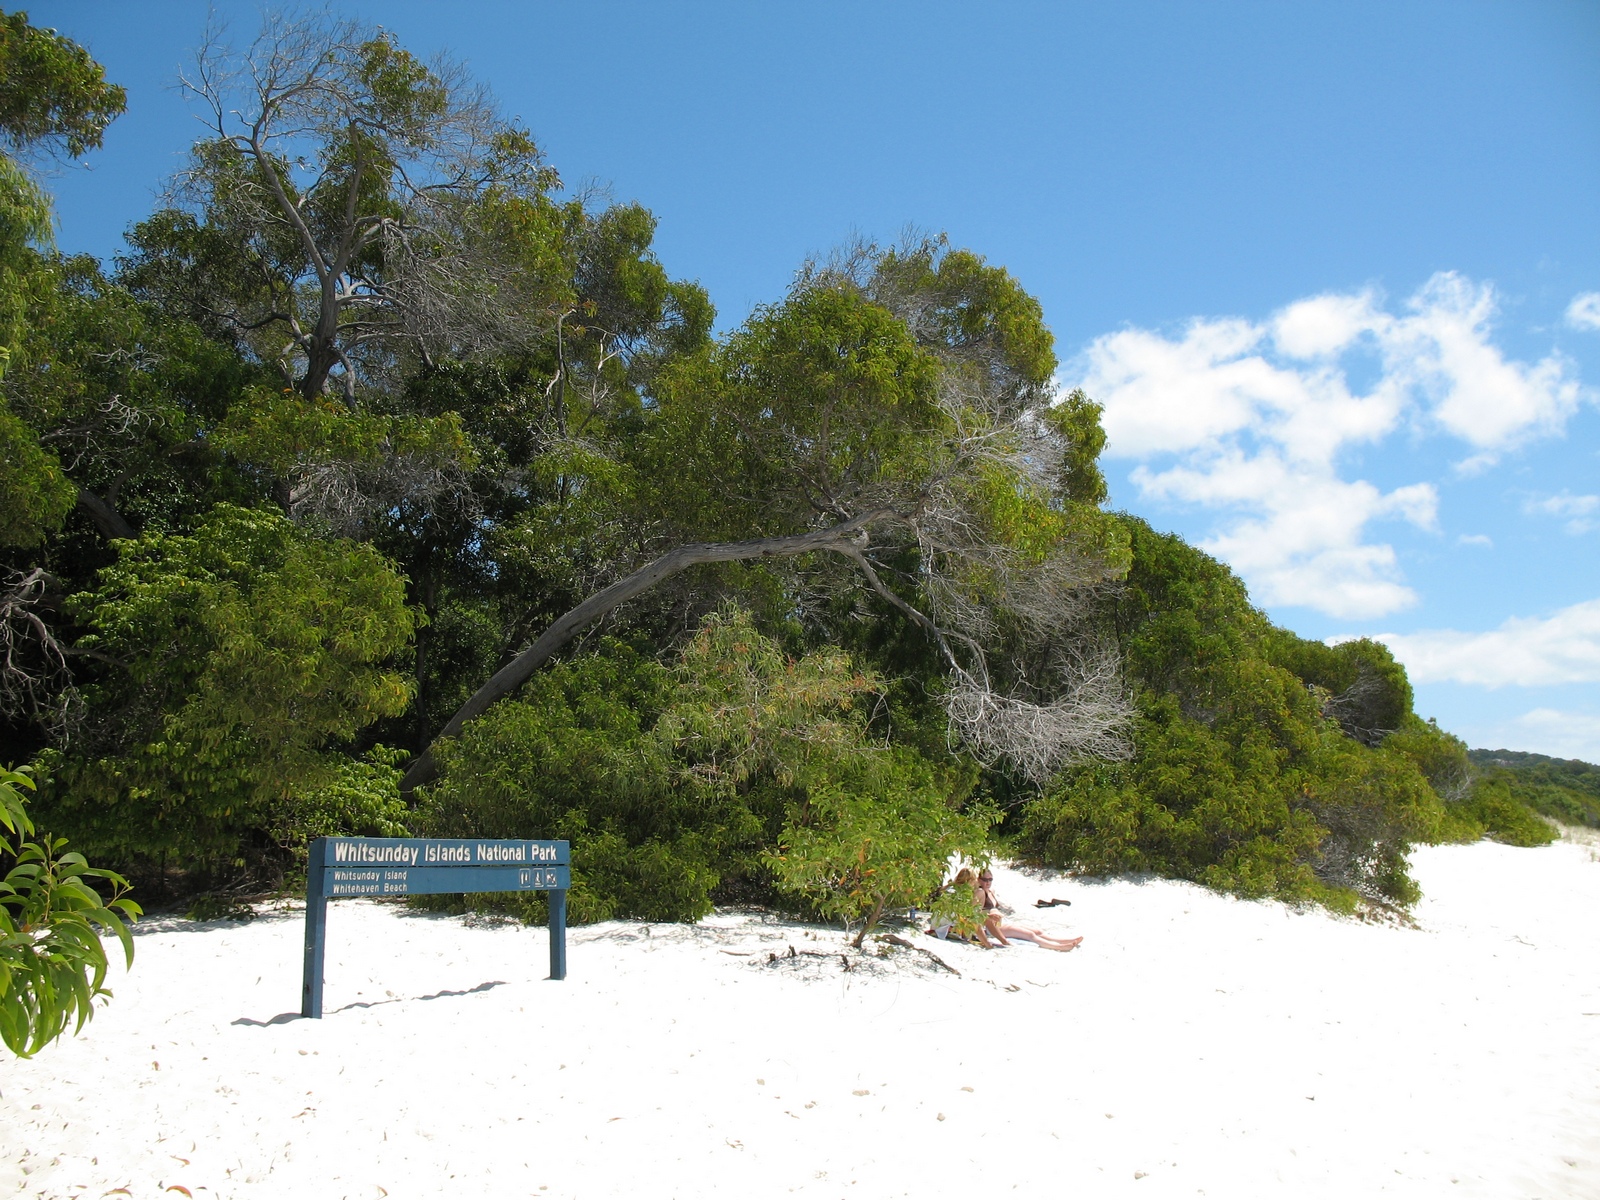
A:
[355, 866]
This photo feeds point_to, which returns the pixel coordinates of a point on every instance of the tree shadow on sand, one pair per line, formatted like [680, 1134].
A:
[285, 1018]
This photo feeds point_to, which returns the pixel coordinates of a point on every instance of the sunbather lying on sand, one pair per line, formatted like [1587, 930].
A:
[997, 920]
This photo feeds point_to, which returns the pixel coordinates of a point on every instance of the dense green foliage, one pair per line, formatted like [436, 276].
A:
[243, 650]
[51, 91]
[386, 487]
[875, 834]
[52, 962]
[737, 770]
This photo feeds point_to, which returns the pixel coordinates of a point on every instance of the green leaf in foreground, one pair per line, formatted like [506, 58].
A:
[52, 960]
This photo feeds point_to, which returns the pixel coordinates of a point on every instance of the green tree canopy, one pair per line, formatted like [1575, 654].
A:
[911, 447]
[356, 212]
[51, 92]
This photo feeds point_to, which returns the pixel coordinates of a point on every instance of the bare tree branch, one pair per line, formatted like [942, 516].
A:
[35, 681]
[845, 537]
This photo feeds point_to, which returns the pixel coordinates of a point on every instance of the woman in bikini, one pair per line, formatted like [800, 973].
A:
[965, 877]
[997, 920]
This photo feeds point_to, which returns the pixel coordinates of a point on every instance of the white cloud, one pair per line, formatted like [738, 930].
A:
[1582, 512]
[1549, 731]
[1468, 386]
[1325, 325]
[1475, 539]
[1523, 652]
[1253, 418]
[1584, 311]
[1306, 547]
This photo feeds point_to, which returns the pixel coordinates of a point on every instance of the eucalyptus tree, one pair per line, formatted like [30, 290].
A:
[895, 413]
[354, 211]
[449, 332]
[349, 205]
[53, 96]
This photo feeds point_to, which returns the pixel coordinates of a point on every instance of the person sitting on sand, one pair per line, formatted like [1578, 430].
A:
[965, 878]
[998, 922]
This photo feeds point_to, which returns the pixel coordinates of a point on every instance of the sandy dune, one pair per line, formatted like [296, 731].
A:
[1196, 1045]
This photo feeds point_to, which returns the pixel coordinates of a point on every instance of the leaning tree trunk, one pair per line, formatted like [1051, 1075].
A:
[106, 518]
[848, 538]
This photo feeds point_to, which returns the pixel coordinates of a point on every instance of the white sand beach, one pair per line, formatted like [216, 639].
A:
[1195, 1045]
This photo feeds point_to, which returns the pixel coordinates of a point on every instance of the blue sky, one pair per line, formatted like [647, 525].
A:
[1334, 268]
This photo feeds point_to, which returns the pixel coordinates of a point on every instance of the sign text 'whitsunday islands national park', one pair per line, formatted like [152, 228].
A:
[353, 866]
[463, 852]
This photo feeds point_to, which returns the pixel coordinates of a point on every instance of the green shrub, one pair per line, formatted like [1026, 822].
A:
[873, 833]
[1359, 683]
[243, 655]
[1505, 819]
[358, 797]
[1371, 807]
[574, 757]
[1568, 805]
[1440, 756]
[655, 880]
[1189, 805]
[664, 780]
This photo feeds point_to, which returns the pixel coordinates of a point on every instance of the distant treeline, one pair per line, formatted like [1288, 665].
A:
[1566, 789]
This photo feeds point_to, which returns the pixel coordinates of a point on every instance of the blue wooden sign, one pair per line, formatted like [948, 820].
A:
[352, 866]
